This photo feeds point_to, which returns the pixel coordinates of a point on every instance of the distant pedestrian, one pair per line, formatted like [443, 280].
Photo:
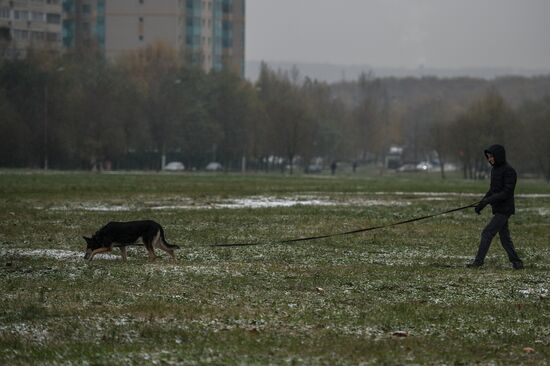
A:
[333, 167]
[501, 198]
[354, 166]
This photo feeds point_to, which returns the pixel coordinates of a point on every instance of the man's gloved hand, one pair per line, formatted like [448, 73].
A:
[480, 206]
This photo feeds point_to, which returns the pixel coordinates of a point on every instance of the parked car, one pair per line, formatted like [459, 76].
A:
[174, 166]
[424, 166]
[407, 168]
[214, 167]
[314, 168]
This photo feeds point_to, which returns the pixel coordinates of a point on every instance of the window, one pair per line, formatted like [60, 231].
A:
[227, 7]
[227, 43]
[21, 15]
[52, 37]
[68, 6]
[37, 16]
[38, 36]
[86, 28]
[86, 8]
[141, 38]
[193, 41]
[5, 13]
[20, 34]
[52, 18]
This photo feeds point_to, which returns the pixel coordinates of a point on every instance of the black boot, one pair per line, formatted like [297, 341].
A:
[517, 265]
[474, 264]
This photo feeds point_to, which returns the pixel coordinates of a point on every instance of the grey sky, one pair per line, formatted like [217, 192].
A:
[401, 33]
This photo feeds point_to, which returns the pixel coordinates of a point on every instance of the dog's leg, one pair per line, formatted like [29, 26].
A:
[99, 250]
[123, 253]
[170, 252]
[162, 245]
[152, 255]
[150, 245]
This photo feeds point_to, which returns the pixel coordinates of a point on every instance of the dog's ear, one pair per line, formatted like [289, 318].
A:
[87, 239]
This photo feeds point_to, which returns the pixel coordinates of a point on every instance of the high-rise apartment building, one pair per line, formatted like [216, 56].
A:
[84, 24]
[207, 33]
[29, 23]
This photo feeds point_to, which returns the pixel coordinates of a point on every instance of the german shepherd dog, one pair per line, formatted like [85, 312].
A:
[123, 234]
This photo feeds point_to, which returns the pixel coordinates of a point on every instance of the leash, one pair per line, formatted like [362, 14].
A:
[371, 228]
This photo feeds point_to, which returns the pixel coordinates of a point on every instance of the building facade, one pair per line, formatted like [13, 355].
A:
[30, 23]
[84, 24]
[206, 33]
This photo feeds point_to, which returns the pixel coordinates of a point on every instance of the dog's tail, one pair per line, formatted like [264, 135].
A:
[171, 246]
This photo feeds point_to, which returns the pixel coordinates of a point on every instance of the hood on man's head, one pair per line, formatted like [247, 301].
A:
[498, 153]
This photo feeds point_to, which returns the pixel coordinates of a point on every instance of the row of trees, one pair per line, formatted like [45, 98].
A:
[75, 112]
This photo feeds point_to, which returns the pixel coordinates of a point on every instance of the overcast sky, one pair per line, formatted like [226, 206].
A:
[401, 33]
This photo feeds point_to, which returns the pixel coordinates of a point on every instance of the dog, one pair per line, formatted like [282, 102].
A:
[123, 234]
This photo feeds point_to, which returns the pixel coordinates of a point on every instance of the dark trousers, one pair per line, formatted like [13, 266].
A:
[498, 224]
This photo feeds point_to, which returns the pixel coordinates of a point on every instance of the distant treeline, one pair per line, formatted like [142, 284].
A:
[75, 112]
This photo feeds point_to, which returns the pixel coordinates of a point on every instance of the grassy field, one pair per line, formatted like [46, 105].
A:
[394, 296]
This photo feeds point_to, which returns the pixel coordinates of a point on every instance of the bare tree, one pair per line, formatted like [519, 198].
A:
[535, 117]
[487, 121]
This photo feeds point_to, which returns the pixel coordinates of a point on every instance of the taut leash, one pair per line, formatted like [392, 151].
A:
[371, 228]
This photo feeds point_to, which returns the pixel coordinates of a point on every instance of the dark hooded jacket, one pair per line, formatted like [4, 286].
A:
[503, 182]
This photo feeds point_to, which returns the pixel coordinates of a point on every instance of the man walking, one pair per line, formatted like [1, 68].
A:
[501, 198]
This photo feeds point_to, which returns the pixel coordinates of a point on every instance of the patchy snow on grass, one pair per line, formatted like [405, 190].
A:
[59, 254]
[236, 203]
[454, 194]
[391, 199]
[540, 211]
[35, 333]
[268, 202]
[265, 202]
[540, 292]
[427, 194]
[533, 195]
[100, 207]
[411, 257]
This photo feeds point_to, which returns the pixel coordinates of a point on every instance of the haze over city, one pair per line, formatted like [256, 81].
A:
[401, 34]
